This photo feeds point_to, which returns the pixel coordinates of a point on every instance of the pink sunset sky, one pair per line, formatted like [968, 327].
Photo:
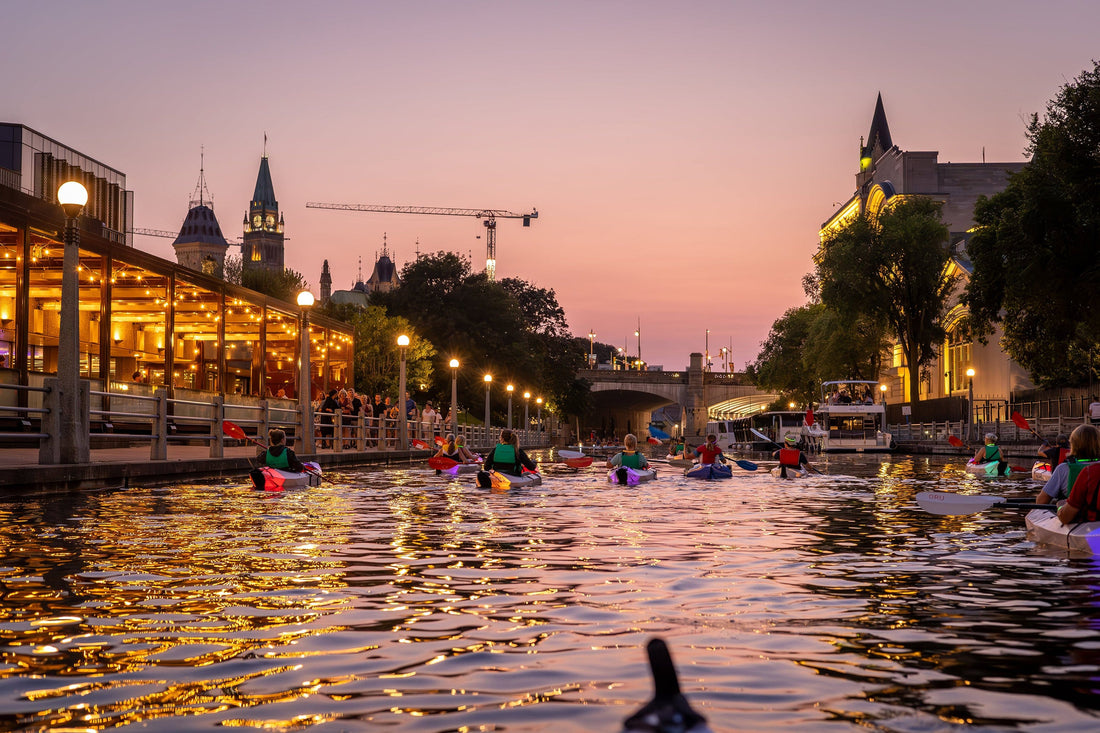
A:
[682, 156]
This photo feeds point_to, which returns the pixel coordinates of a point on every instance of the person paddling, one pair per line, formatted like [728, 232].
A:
[790, 457]
[629, 457]
[1084, 449]
[1057, 453]
[710, 452]
[276, 455]
[991, 452]
[506, 457]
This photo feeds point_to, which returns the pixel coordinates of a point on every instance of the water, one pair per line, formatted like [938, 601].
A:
[394, 599]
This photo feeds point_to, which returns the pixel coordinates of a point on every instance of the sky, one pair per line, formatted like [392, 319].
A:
[681, 155]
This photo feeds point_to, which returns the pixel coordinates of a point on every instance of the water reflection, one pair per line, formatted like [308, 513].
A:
[397, 598]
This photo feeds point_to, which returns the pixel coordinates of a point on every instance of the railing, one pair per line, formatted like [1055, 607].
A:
[130, 418]
[1006, 430]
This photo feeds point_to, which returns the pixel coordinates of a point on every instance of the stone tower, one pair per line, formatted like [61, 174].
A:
[326, 284]
[200, 245]
[262, 245]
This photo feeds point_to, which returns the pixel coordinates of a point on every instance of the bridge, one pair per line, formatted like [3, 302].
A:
[623, 401]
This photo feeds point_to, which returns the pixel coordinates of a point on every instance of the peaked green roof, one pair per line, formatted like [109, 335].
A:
[265, 191]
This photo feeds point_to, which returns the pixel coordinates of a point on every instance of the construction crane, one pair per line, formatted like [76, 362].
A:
[489, 215]
[155, 233]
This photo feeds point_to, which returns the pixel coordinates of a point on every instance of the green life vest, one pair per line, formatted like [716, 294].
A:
[277, 461]
[630, 460]
[993, 453]
[1075, 468]
[504, 454]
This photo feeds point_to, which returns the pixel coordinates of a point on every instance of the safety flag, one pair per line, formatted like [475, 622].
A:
[809, 416]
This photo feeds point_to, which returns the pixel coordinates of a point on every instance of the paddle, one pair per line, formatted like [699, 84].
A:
[441, 463]
[1021, 422]
[419, 444]
[957, 442]
[235, 431]
[669, 710]
[941, 502]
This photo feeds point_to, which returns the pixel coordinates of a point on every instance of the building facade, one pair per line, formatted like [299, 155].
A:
[262, 245]
[886, 175]
[144, 321]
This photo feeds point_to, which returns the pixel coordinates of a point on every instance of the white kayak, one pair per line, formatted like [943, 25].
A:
[508, 481]
[791, 472]
[462, 469]
[276, 479]
[1041, 471]
[634, 476]
[1044, 527]
[985, 469]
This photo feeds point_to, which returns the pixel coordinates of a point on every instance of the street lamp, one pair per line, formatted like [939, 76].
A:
[882, 388]
[526, 413]
[403, 424]
[591, 341]
[454, 396]
[538, 420]
[970, 406]
[73, 441]
[725, 357]
[510, 389]
[706, 351]
[621, 356]
[488, 383]
[305, 388]
[638, 333]
[790, 405]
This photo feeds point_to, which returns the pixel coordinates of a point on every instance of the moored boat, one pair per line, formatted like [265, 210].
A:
[1041, 471]
[277, 479]
[631, 476]
[849, 420]
[1044, 527]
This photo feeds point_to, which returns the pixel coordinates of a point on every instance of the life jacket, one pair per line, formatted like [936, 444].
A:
[630, 460]
[453, 453]
[790, 457]
[504, 456]
[1062, 454]
[1075, 468]
[708, 454]
[1089, 483]
[993, 453]
[277, 460]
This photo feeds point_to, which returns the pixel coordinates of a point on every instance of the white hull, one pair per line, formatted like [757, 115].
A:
[1041, 471]
[516, 482]
[634, 475]
[791, 472]
[1044, 527]
[276, 479]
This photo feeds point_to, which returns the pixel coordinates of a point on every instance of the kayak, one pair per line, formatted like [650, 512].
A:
[462, 469]
[985, 469]
[276, 479]
[634, 476]
[708, 471]
[791, 472]
[508, 481]
[1041, 471]
[1044, 528]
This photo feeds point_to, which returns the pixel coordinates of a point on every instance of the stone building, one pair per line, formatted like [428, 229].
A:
[262, 245]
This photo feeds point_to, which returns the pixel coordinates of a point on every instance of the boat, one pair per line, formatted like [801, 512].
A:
[792, 473]
[708, 471]
[633, 476]
[849, 420]
[1041, 471]
[985, 468]
[756, 431]
[276, 479]
[462, 469]
[508, 481]
[1044, 528]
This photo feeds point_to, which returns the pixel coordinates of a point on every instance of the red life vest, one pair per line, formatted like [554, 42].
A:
[1062, 453]
[707, 455]
[791, 457]
[1087, 490]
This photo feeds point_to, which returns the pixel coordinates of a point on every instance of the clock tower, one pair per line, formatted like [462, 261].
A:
[262, 244]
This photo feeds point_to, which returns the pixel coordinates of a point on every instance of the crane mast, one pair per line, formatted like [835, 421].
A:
[489, 215]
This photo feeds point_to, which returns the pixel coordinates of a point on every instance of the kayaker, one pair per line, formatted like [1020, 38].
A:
[790, 457]
[1084, 497]
[991, 452]
[449, 449]
[1057, 453]
[506, 457]
[276, 455]
[467, 456]
[629, 457]
[678, 449]
[709, 452]
[1084, 448]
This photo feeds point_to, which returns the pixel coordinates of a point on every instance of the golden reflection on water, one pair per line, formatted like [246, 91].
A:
[397, 598]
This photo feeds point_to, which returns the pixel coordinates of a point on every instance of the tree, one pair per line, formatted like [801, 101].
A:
[779, 367]
[892, 268]
[284, 285]
[1036, 248]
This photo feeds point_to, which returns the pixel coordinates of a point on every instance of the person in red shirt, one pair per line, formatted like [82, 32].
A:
[1083, 504]
[709, 452]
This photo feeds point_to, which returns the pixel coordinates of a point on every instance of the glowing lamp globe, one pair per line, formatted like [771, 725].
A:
[402, 340]
[305, 299]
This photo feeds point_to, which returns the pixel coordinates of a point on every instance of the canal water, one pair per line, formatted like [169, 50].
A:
[398, 600]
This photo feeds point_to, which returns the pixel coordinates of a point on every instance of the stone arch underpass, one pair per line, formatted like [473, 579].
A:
[623, 401]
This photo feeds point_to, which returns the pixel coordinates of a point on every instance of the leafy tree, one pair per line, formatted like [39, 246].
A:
[779, 367]
[892, 268]
[284, 285]
[1036, 249]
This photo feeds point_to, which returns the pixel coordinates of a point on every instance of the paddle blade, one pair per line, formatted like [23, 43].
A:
[499, 482]
[659, 434]
[810, 416]
[653, 440]
[1020, 421]
[439, 440]
[955, 441]
[233, 430]
[747, 465]
[441, 463]
[583, 462]
[419, 444]
[942, 502]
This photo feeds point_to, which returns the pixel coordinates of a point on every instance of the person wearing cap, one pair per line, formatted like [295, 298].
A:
[991, 452]
[1056, 453]
[789, 456]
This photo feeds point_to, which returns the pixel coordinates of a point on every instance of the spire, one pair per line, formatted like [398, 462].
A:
[326, 284]
[878, 139]
[201, 195]
[265, 190]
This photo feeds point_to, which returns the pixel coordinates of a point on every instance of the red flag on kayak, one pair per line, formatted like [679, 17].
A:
[809, 416]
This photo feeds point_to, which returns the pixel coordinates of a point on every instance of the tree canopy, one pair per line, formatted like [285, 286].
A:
[1036, 248]
[892, 268]
[284, 285]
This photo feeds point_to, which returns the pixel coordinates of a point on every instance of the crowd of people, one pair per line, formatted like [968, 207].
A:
[381, 416]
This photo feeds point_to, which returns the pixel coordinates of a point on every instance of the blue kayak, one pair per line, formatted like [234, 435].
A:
[710, 471]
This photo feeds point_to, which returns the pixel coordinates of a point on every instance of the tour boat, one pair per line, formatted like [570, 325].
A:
[849, 420]
[1044, 527]
[276, 479]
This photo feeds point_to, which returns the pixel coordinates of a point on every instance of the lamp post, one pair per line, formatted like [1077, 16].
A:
[454, 396]
[638, 333]
[591, 342]
[706, 351]
[970, 406]
[621, 356]
[509, 389]
[488, 383]
[725, 353]
[882, 388]
[305, 388]
[74, 441]
[403, 424]
[538, 420]
[526, 413]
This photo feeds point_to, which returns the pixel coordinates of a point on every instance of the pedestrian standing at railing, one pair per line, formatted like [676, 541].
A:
[427, 421]
[367, 413]
[379, 408]
[328, 409]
